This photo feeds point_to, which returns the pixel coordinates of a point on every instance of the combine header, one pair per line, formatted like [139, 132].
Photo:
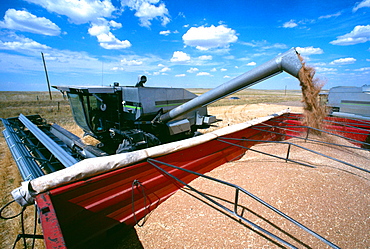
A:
[147, 151]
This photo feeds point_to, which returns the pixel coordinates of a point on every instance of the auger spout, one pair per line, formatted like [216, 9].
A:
[288, 62]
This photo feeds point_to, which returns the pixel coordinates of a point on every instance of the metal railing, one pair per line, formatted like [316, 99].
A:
[309, 139]
[222, 139]
[234, 211]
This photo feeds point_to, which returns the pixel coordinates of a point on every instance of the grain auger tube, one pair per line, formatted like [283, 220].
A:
[288, 62]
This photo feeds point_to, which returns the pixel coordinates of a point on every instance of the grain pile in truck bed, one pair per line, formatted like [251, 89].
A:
[332, 199]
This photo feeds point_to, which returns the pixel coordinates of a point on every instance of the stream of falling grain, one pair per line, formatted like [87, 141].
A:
[313, 112]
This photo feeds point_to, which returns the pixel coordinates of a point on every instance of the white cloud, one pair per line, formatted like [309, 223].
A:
[276, 45]
[325, 69]
[318, 64]
[58, 61]
[343, 61]
[135, 63]
[264, 45]
[293, 23]
[251, 63]
[126, 62]
[193, 70]
[309, 50]
[223, 69]
[78, 11]
[331, 15]
[205, 38]
[115, 24]
[254, 43]
[203, 74]
[362, 4]
[290, 24]
[180, 75]
[165, 69]
[181, 14]
[214, 70]
[27, 58]
[147, 10]
[118, 69]
[101, 29]
[24, 21]
[165, 32]
[362, 69]
[23, 44]
[179, 56]
[94, 12]
[359, 34]
[205, 57]
[98, 29]
[229, 57]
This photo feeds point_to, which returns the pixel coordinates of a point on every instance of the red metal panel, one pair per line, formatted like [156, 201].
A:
[53, 236]
[352, 129]
[89, 208]
[86, 209]
[351, 122]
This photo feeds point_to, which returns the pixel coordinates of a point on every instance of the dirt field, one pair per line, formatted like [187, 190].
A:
[331, 199]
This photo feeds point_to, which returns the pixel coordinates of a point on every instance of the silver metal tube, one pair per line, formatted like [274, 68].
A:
[66, 159]
[74, 142]
[288, 62]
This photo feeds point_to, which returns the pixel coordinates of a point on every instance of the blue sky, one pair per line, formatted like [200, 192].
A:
[179, 43]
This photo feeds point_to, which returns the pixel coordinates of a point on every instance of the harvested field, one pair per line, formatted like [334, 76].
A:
[235, 114]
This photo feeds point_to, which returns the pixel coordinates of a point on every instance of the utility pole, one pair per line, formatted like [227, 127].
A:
[47, 77]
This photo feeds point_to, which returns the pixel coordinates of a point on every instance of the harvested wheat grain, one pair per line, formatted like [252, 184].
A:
[331, 199]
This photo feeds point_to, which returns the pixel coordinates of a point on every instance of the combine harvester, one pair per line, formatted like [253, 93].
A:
[148, 151]
[349, 102]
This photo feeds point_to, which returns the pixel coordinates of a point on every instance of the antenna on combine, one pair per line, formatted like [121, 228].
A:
[46, 73]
